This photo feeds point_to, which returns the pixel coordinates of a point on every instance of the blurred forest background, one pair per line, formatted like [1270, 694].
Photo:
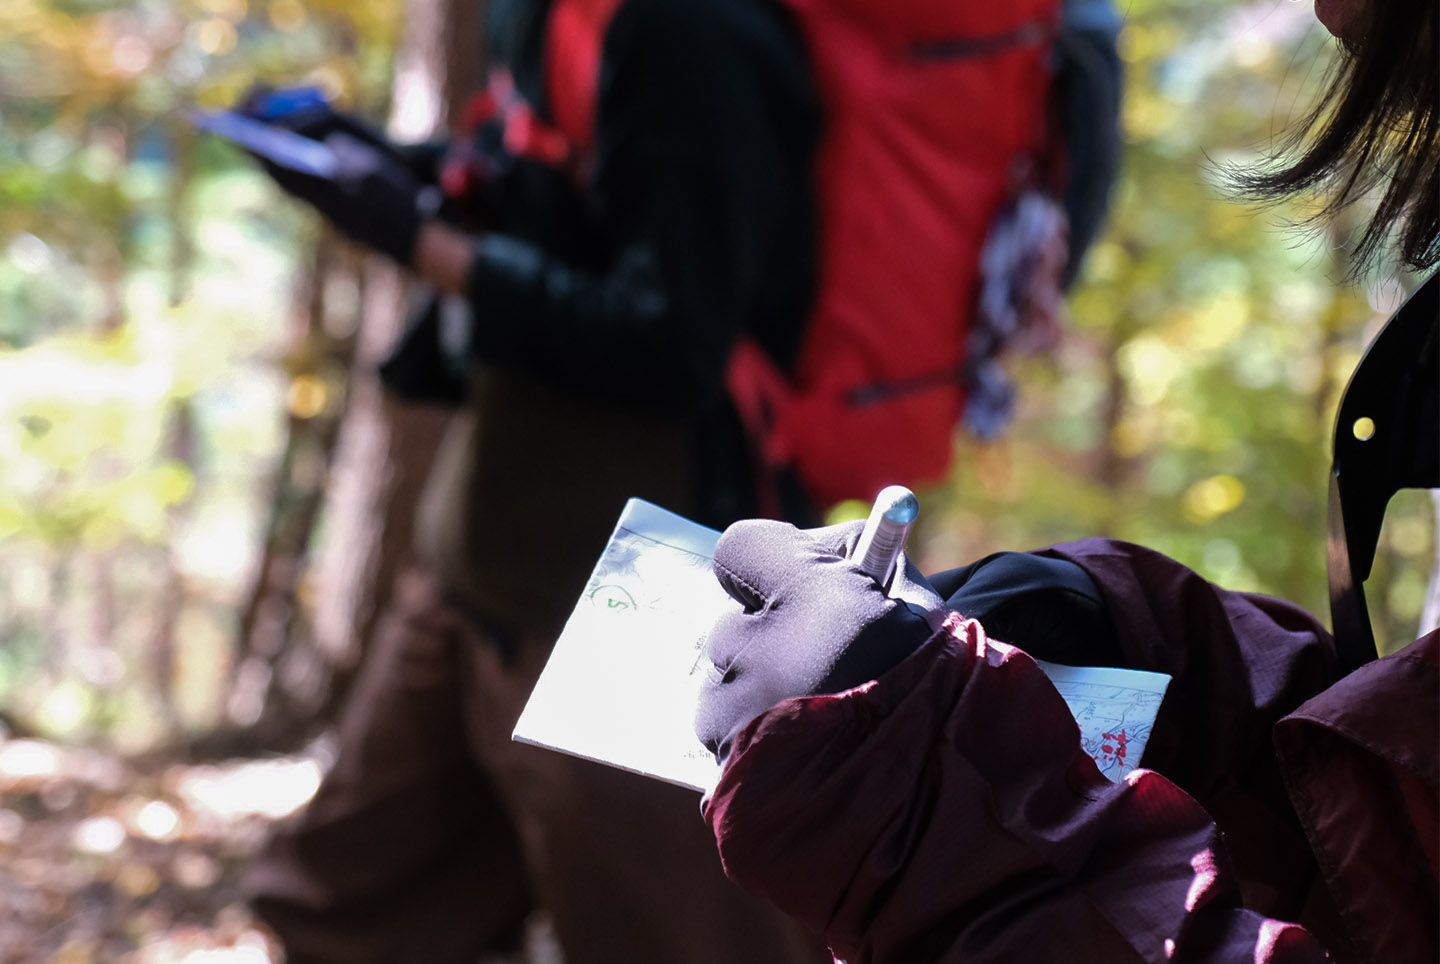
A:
[202, 492]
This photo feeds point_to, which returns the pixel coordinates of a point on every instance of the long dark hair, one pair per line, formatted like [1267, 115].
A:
[1374, 128]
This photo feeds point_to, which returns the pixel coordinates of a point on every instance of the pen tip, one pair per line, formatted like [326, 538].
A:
[900, 504]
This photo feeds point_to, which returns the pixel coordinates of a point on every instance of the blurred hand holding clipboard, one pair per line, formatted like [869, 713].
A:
[335, 162]
[278, 145]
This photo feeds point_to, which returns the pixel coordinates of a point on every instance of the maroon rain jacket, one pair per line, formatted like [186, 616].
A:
[947, 813]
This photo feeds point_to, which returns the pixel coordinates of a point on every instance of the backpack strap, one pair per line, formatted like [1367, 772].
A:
[523, 134]
[1086, 135]
[759, 390]
[563, 136]
[1387, 438]
[574, 37]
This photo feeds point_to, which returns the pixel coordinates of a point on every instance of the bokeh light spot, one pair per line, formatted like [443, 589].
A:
[307, 396]
[1211, 498]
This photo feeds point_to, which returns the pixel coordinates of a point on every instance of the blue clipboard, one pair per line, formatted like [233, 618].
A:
[276, 144]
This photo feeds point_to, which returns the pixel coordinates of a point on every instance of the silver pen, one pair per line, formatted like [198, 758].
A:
[885, 532]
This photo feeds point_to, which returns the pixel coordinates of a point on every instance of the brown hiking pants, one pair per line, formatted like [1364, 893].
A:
[434, 836]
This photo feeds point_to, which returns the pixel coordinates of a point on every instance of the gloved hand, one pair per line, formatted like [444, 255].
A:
[810, 622]
[307, 112]
[374, 197]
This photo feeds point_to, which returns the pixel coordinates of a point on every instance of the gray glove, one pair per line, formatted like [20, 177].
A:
[810, 622]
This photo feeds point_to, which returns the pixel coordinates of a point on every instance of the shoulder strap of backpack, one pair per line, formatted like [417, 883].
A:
[1085, 129]
[574, 37]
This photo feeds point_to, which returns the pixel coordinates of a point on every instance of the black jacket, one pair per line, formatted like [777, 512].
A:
[602, 311]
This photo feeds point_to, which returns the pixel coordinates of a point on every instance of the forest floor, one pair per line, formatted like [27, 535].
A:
[101, 862]
[106, 862]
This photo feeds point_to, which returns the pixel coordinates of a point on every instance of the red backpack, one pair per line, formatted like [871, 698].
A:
[934, 117]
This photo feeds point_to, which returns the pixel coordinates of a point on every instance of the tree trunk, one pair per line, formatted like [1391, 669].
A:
[316, 600]
[386, 446]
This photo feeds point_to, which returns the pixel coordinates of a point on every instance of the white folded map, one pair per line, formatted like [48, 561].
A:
[621, 684]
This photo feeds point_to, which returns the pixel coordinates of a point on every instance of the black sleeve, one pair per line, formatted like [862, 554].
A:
[705, 126]
[1049, 607]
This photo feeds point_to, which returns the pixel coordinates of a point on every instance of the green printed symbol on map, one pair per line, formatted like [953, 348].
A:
[612, 599]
